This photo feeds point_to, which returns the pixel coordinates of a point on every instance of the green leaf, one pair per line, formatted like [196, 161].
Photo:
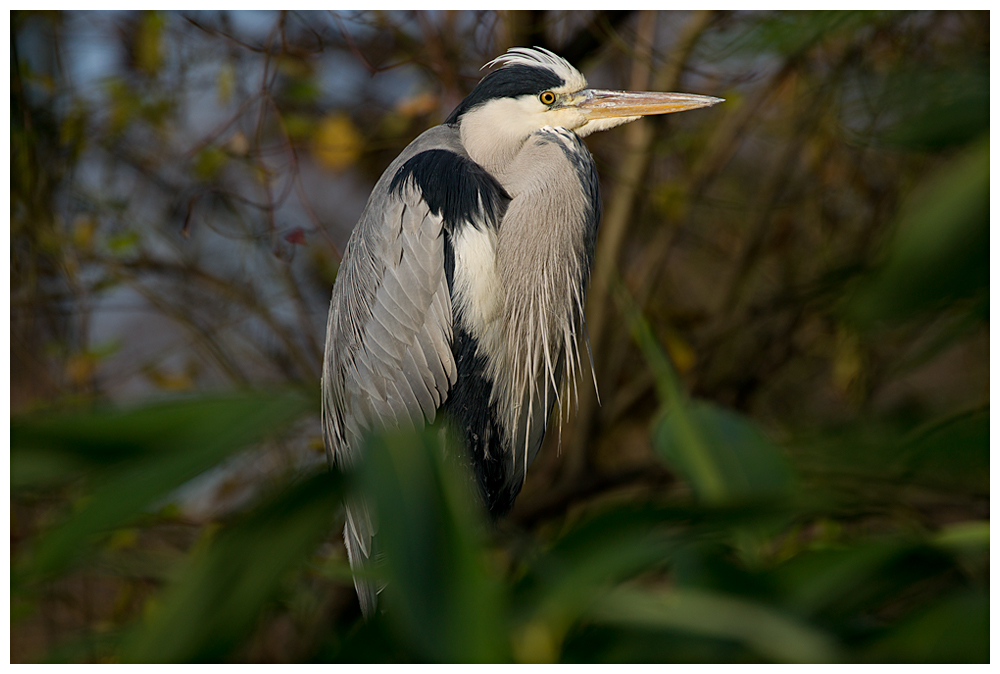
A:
[302, 91]
[940, 253]
[439, 598]
[773, 635]
[124, 104]
[560, 583]
[938, 109]
[795, 32]
[721, 454]
[951, 453]
[813, 581]
[219, 596]
[612, 644]
[964, 537]
[149, 42]
[954, 629]
[135, 457]
[209, 163]
[124, 243]
[839, 585]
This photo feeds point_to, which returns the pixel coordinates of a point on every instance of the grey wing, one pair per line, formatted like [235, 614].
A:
[388, 359]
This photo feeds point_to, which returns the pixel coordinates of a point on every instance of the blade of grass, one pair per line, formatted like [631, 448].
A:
[775, 636]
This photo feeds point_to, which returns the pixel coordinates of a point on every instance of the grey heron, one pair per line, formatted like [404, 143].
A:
[461, 289]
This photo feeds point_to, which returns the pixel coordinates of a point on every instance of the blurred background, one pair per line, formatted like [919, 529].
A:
[788, 317]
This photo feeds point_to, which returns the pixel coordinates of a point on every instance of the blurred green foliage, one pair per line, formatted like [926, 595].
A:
[665, 579]
[136, 457]
[222, 589]
[723, 456]
[941, 252]
[439, 599]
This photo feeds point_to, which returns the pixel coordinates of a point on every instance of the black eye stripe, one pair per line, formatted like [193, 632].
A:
[508, 82]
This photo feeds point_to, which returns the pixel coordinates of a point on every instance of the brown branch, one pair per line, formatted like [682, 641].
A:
[305, 323]
[725, 141]
[774, 188]
[638, 136]
[203, 336]
[244, 296]
[352, 45]
[297, 180]
[215, 32]
[594, 35]
[220, 129]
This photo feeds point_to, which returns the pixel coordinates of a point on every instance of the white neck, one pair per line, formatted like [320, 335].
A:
[494, 133]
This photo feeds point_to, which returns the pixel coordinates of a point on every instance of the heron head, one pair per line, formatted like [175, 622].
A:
[534, 88]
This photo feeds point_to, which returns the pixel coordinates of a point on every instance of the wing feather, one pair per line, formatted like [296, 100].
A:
[391, 362]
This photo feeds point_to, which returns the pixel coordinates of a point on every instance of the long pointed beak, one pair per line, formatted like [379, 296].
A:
[599, 103]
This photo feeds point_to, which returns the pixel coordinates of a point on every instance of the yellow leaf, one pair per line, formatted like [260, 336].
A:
[238, 144]
[123, 538]
[171, 381]
[226, 83]
[415, 106]
[534, 643]
[124, 105]
[73, 130]
[83, 232]
[681, 353]
[338, 142]
[149, 43]
[80, 368]
[848, 363]
[317, 445]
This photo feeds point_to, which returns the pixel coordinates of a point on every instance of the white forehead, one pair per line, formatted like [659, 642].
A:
[538, 56]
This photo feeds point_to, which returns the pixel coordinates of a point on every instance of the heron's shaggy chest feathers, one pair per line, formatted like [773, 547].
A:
[518, 295]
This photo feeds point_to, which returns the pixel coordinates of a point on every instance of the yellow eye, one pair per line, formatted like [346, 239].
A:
[547, 98]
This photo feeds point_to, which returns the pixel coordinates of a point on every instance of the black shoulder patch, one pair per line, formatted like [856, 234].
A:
[507, 82]
[454, 187]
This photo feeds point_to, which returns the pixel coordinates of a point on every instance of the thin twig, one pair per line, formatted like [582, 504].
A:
[202, 335]
[245, 296]
[297, 180]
